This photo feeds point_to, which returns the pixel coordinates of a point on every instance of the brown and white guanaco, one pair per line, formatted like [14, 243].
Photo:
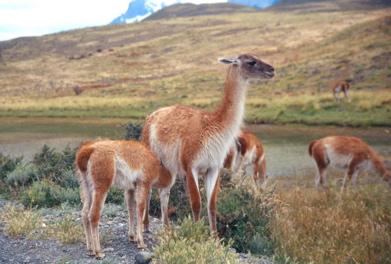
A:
[348, 153]
[341, 86]
[248, 153]
[128, 165]
[194, 143]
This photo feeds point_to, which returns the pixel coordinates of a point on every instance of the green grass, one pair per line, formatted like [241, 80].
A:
[364, 109]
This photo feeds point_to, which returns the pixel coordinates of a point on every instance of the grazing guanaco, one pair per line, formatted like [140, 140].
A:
[348, 153]
[248, 153]
[128, 165]
[341, 86]
[194, 143]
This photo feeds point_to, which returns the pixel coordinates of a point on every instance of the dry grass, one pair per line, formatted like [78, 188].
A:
[20, 222]
[66, 231]
[29, 223]
[325, 227]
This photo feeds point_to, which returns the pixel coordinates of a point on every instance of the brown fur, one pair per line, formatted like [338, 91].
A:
[195, 128]
[130, 165]
[340, 86]
[248, 141]
[350, 153]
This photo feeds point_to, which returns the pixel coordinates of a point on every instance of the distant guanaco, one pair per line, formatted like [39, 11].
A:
[348, 153]
[248, 153]
[128, 165]
[341, 86]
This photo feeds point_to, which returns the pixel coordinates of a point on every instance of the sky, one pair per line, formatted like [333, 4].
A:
[38, 17]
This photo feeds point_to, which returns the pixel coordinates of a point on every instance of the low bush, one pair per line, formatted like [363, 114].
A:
[56, 166]
[7, 164]
[45, 193]
[115, 196]
[133, 131]
[243, 217]
[42, 194]
[191, 243]
[22, 175]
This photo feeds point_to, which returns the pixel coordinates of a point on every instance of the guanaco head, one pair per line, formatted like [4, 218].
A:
[251, 68]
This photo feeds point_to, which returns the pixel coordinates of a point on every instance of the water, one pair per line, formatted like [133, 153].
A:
[286, 146]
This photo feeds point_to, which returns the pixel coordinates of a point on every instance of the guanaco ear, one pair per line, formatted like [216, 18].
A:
[229, 61]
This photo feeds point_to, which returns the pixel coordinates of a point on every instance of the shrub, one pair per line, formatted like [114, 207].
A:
[7, 164]
[69, 195]
[22, 175]
[55, 166]
[42, 194]
[190, 243]
[115, 196]
[18, 222]
[133, 131]
[45, 193]
[243, 217]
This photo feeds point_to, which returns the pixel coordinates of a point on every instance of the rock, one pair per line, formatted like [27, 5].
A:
[143, 257]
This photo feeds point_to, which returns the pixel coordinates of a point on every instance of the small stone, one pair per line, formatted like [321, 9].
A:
[143, 257]
[110, 249]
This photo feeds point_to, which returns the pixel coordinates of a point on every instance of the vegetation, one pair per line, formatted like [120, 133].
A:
[30, 223]
[290, 221]
[191, 243]
[320, 227]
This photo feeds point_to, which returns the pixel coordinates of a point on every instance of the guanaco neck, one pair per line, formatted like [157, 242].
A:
[229, 114]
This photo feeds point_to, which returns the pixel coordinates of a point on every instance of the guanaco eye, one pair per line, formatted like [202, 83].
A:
[251, 63]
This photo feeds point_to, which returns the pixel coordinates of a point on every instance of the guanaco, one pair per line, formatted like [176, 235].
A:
[193, 143]
[248, 153]
[341, 86]
[128, 165]
[348, 153]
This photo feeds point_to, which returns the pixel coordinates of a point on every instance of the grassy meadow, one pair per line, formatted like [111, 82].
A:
[128, 71]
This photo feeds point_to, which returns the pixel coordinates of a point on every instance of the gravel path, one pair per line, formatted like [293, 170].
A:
[113, 230]
[113, 233]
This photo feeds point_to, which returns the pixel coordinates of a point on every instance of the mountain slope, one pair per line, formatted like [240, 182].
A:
[329, 5]
[188, 10]
[140, 9]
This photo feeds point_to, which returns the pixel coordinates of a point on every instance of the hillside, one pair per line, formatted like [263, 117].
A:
[130, 70]
[329, 5]
[188, 10]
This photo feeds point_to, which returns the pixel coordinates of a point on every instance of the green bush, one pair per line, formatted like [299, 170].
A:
[56, 166]
[7, 164]
[244, 217]
[45, 193]
[42, 194]
[191, 243]
[115, 196]
[22, 175]
[133, 131]
[70, 196]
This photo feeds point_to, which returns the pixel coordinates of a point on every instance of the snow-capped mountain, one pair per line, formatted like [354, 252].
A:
[140, 9]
